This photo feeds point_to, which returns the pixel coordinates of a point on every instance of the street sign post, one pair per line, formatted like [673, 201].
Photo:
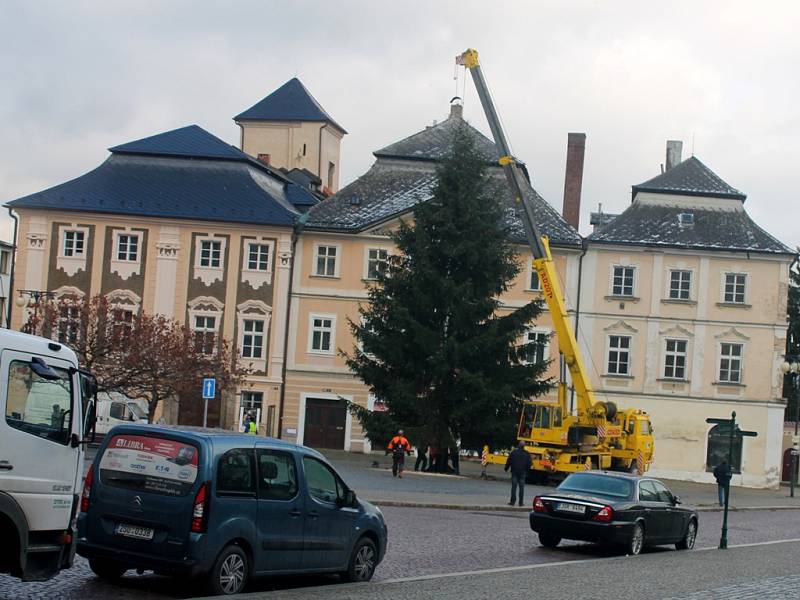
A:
[209, 391]
[731, 423]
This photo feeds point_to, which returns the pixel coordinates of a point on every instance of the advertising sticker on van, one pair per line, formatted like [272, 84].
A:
[149, 464]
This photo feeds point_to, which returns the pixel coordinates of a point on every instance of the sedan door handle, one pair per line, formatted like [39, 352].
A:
[295, 512]
[5, 466]
[313, 514]
[647, 509]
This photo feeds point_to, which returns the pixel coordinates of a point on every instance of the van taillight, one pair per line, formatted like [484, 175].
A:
[538, 505]
[605, 514]
[200, 508]
[87, 490]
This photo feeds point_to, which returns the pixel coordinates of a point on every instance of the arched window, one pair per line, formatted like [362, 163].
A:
[719, 442]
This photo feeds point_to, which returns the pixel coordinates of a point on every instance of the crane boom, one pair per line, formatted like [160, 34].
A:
[542, 258]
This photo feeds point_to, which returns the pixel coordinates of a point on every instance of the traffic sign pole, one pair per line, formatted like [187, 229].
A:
[209, 391]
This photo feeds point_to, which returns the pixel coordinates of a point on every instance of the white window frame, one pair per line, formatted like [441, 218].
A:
[378, 260]
[311, 329]
[253, 335]
[724, 291]
[127, 252]
[257, 277]
[730, 357]
[73, 231]
[531, 335]
[125, 267]
[206, 306]
[205, 330]
[621, 293]
[214, 247]
[253, 310]
[675, 354]
[610, 349]
[529, 287]
[208, 274]
[336, 260]
[675, 293]
[75, 262]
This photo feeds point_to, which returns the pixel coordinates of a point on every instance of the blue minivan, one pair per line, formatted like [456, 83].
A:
[223, 506]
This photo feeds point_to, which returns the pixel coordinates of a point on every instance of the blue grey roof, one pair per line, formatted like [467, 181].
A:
[690, 178]
[159, 177]
[290, 102]
[646, 224]
[395, 184]
[191, 141]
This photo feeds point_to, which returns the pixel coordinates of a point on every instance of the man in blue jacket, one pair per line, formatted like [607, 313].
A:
[519, 463]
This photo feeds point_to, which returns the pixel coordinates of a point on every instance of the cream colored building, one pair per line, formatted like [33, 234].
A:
[683, 314]
[682, 297]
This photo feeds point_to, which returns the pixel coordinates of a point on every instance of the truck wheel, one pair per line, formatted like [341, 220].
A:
[687, 543]
[363, 561]
[549, 541]
[106, 569]
[229, 574]
[636, 541]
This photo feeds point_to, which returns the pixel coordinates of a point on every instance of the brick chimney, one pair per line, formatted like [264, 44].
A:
[456, 108]
[573, 179]
[674, 149]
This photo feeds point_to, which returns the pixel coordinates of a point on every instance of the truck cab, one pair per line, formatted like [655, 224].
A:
[42, 397]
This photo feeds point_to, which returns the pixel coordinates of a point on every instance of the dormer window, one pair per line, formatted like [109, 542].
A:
[685, 219]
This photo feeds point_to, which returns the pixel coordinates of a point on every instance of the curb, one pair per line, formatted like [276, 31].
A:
[504, 508]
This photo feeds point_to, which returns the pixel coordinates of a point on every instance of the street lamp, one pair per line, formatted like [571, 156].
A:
[793, 369]
[32, 298]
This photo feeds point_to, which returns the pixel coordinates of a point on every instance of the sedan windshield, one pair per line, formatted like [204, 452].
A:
[597, 485]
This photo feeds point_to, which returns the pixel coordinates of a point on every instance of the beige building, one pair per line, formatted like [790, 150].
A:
[682, 298]
[683, 314]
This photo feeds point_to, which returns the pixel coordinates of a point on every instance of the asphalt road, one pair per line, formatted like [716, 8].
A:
[423, 542]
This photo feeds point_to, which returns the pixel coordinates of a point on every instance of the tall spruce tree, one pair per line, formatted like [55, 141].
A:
[434, 342]
[792, 340]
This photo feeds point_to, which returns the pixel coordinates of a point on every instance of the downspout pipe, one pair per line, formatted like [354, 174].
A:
[13, 266]
[296, 230]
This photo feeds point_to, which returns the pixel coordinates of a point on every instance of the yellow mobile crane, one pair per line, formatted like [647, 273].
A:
[599, 436]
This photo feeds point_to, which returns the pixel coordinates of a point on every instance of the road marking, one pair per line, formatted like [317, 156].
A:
[562, 563]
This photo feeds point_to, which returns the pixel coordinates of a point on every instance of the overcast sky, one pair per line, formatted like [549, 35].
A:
[79, 77]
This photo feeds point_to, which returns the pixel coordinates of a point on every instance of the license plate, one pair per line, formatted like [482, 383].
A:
[569, 507]
[134, 531]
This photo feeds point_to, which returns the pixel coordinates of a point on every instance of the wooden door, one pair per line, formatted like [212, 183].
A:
[325, 423]
[786, 472]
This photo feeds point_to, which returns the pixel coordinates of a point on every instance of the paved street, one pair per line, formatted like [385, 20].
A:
[422, 542]
[433, 541]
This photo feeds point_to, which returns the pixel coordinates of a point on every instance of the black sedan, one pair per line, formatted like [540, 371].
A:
[613, 508]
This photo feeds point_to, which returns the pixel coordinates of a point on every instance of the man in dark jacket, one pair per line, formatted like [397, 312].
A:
[519, 463]
[722, 473]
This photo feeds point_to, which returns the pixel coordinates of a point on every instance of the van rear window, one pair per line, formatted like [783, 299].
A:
[149, 464]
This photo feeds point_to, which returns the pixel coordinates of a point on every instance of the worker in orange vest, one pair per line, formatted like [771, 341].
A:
[399, 447]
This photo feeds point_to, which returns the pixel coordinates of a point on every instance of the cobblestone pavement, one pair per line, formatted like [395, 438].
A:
[774, 588]
[421, 542]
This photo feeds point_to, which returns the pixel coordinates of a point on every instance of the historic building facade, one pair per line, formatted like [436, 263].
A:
[683, 312]
[680, 301]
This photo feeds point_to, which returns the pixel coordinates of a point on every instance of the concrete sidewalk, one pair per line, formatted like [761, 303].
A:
[370, 475]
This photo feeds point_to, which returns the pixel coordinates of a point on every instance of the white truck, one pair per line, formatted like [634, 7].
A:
[115, 409]
[43, 398]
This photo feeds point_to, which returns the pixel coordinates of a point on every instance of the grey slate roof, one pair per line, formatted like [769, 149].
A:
[161, 177]
[646, 224]
[395, 184]
[689, 178]
[290, 102]
[433, 143]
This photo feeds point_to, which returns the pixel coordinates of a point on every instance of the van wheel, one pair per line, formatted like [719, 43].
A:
[363, 561]
[229, 574]
[106, 569]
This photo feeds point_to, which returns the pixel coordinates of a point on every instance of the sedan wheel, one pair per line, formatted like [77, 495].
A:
[687, 543]
[636, 542]
[549, 541]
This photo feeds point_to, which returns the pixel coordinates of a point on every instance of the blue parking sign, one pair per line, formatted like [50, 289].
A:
[209, 387]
